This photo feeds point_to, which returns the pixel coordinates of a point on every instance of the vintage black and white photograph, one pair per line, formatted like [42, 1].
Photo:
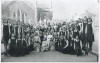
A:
[49, 30]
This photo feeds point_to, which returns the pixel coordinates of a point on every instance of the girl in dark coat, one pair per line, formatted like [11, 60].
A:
[19, 42]
[90, 35]
[12, 47]
[6, 36]
[19, 47]
[77, 46]
[57, 43]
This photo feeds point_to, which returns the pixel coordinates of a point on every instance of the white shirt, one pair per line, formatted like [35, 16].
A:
[37, 38]
[49, 37]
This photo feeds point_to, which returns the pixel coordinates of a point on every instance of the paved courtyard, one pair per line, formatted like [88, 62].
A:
[51, 56]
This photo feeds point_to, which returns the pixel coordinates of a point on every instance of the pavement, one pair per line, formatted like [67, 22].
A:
[50, 56]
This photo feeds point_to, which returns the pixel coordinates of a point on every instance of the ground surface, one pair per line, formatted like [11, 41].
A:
[51, 56]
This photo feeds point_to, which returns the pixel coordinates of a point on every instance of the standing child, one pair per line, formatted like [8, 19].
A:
[77, 46]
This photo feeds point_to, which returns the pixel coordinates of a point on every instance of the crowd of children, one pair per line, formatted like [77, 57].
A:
[68, 38]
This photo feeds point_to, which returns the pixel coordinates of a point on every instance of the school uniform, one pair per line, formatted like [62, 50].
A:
[57, 44]
[78, 47]
[37, 43]
[62, 43]
[24, 49]
[19, 47]
[13, 47]
[6, 34]
[83, 35]
[41, 38]
[90, 35]
[16, 32]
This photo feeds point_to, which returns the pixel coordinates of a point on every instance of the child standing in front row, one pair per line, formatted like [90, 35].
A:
[77, 46]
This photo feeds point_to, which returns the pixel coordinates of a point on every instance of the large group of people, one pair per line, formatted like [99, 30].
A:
[69, 38]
